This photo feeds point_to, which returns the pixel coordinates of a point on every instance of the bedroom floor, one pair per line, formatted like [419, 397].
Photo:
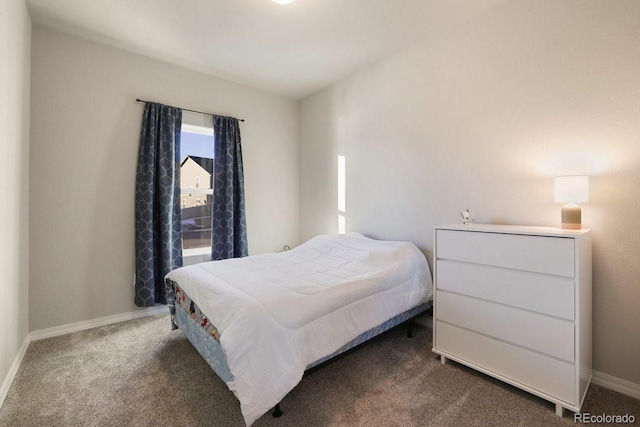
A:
[139, 373]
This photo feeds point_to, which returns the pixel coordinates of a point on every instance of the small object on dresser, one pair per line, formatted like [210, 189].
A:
[466, 217]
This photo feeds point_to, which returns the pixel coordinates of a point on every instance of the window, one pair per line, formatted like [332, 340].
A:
[342, 198]
[196, 183]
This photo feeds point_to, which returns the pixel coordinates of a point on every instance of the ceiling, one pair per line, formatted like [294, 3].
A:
[293, 50]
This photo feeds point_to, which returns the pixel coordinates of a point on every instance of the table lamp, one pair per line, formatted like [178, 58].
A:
[571, 190]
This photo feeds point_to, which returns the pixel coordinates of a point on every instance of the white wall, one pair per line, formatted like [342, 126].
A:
[84, 141]
[482, 118]
[15, 47]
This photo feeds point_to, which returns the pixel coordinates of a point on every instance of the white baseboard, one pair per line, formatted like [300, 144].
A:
[94, 323]
[616, 384]
[66, 329]
[14, 369]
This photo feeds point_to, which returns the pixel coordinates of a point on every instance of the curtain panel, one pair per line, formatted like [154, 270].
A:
[228, 222]
[158, 240]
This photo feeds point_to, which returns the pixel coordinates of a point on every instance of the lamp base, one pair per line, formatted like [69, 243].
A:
[571, 217]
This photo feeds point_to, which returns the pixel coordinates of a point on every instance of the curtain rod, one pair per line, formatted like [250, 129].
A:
[193, 111]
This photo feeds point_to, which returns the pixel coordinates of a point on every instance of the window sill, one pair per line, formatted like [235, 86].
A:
[195, 256]
[196, 251]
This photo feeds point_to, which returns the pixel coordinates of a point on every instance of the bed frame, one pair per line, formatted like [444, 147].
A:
[204, 341]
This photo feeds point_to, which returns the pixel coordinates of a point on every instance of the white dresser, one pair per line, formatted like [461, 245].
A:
[514, 302]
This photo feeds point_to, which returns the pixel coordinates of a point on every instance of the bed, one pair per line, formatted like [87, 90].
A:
[261, 321]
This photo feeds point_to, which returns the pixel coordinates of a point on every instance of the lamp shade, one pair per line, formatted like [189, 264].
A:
[571, 189]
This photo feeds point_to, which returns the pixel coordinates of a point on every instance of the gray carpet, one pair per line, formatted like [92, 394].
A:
[138, 373]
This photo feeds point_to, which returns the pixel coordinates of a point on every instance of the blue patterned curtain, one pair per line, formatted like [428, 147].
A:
[158, 238]
[229, 227]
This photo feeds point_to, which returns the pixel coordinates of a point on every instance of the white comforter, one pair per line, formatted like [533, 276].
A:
[277, 313]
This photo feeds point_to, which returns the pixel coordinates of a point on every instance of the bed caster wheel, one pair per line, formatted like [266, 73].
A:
[410, 330]
[277, 413]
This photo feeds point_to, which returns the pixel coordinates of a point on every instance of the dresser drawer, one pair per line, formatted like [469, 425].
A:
[527, 368]
[537, 332]
[551, 295]
[549, 255]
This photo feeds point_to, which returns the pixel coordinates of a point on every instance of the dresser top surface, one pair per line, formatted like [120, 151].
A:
[515, 229]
